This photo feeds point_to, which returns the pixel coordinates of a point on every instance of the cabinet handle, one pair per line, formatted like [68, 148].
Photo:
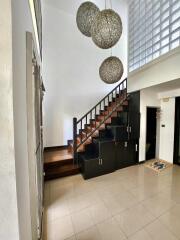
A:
[130, 129]
[125, 144]
[101, 161]
[127, 128]
[136, 147]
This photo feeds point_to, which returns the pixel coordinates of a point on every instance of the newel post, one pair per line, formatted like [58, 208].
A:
[75, 139]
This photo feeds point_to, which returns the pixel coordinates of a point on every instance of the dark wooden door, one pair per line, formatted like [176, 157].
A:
[177, 132]
[151, 126]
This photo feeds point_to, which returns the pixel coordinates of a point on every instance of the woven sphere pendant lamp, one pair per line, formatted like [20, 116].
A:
[85, 17]
[106, 29]
[111, 70]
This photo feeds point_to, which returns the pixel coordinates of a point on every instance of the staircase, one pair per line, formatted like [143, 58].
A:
[63, 161]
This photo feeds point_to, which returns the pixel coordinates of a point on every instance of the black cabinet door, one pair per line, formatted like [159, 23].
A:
[123, 116]
[126, 154]
[119, 133]
[134, 115]
[107, 156]
[134, 125]
[130, 153]
[120, 155]
[92, 168]
[134, 102]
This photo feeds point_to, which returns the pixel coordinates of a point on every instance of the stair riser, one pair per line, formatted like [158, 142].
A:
[65, 174]
[57, 164]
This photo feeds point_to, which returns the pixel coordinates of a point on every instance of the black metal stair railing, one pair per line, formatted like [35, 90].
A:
[78, 125]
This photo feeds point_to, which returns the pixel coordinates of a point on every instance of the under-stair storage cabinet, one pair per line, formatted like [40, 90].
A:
[117, 146]
[103, 163]
[127, 149]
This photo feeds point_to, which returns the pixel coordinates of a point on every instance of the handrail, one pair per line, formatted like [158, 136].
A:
[119, 89]
[121, 83]
[101, 123]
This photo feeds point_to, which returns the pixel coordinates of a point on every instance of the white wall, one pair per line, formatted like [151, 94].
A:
[71, 62]
[161, 70]
[148, 98]
[167, 133]
[167, 119]
[9, 228]
[21, 22]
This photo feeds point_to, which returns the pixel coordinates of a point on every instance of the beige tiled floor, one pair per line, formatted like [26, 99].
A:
[134, 203]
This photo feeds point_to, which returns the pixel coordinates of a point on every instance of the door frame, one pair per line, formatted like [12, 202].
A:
[176, 131]
[33, 75]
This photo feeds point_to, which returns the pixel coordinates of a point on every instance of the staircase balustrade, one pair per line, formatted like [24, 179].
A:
[119, 94]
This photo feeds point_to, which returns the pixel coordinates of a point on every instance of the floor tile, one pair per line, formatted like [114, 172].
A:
[133, 219]
[82, 220]
[140, 235]
[158, 231]
[81, 202]
[57, 210]
[99, 213]
[173, 192]
[90, 234]
[71, 238]
[60, 229]
[110, 230]
[126, 199]
[113, 205]
[143, 192]
[171, 220]
[158, 204]
[83, 187]
[128, 183]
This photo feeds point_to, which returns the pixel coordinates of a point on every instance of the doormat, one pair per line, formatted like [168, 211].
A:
[158, 165]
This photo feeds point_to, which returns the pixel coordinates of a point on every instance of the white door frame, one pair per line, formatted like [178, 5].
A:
[35, 205]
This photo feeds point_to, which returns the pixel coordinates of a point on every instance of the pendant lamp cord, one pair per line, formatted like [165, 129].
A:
[111, 4]
[110, 1]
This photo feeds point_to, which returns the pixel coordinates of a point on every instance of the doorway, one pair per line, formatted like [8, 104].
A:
[177, 132]
[151, 127]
